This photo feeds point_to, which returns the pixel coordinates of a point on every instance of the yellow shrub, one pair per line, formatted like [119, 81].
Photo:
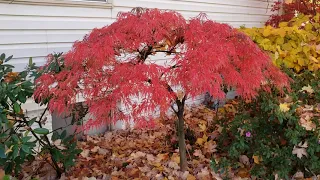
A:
[295, 44]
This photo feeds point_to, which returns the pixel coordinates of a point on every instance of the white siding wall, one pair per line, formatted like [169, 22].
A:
[37, 30]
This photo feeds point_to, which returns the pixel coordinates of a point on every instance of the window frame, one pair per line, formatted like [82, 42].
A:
[63, 3]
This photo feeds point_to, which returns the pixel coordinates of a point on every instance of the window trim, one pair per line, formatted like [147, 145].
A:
[62, 3]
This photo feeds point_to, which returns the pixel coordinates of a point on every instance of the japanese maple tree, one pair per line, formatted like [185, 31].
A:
[111, 66]
[288, 9]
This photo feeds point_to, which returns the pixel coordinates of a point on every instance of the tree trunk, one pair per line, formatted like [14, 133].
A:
[182, 144]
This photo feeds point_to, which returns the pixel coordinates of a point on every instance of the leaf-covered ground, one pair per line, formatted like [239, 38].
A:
[151, 153]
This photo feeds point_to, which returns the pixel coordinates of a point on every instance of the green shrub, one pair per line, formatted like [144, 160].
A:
[279, 134]
[18, 137]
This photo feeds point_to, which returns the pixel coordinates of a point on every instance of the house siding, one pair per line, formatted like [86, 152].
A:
[37, 30]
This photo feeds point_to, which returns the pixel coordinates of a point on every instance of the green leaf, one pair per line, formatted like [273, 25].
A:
[55, 136]
[15, 151]
[57, 155]
[63, 134]
[6, 177]
[32, 121]
[41, 131]
[2, 151]
[26, 149]
[26, 139]
[3, 118]
[16, 107]
[2, 56]
[30, 62]
[15, 138]
[26, 84]
[8, 58]
[22, 98]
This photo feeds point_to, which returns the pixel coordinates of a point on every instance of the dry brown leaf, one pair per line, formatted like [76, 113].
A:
[256, 159]
[190, 177]
[204, 174]
[85, 153]
[243, 173]
[244, 160]
[175, 158]
[102, 151]
[198, 153]
[173, 165]
[300, 150]
[209, 147]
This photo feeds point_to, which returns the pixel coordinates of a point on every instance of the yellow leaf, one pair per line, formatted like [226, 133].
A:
[308, 27]
[313, 59]
[256, 159]
[202, 127]
[276, 55]
[191, 177]
[202, 140]
[156, 164]
[280, 40]
[284, 107]
[306, 50]
[288, 63]
[283, 24]
[9, 150]
[175, 158]
[267, 31]
[230, 108]
[297, 68]
[282, 32]
[301, 62]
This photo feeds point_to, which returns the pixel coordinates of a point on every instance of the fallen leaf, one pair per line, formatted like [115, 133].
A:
[133, 173]
[138, 154]
[244, 160]
[300, 150]
[204, 174]
[85, 153]
[201, 141]
[298, 175]
[95, 149]
[175, 158]
[209, 147]
[256, 159]
[202, 127]
[191, 177]
[284, 107]
[308, 89]
[198, 153]
[173, 165]
[102, 151]
[243, 173]
[306, 121]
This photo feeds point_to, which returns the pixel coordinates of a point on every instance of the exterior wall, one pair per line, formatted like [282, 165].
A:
[35, 28]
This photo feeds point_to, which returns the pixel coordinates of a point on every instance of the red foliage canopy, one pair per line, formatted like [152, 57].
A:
[110, 65]
[306, 7]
